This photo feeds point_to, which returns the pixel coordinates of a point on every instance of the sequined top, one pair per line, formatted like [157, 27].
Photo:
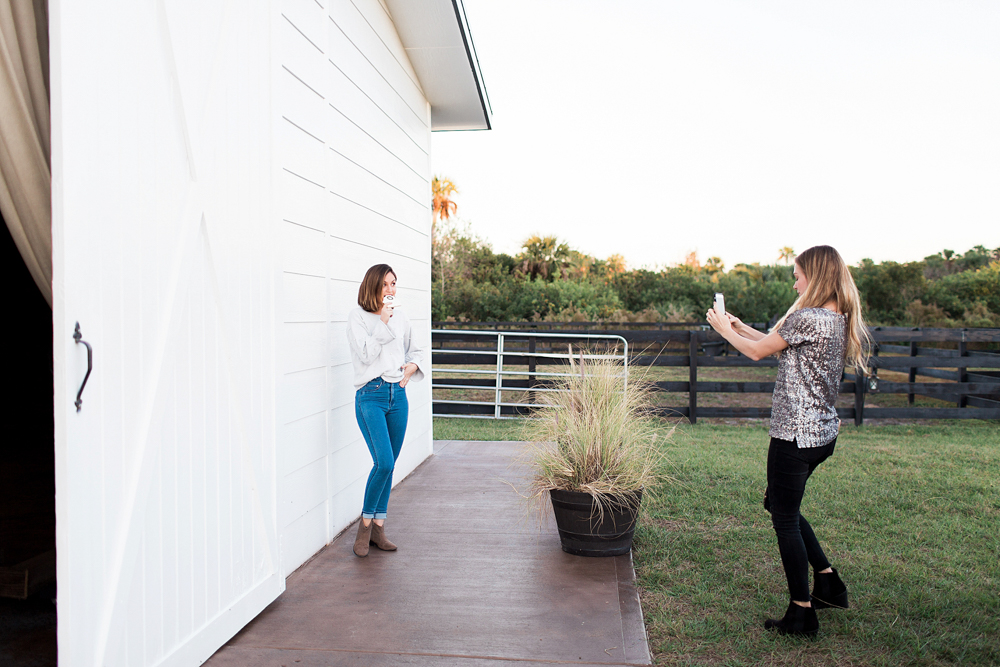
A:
[809, 372]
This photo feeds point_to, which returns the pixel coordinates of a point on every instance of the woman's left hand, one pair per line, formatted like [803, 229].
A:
[718, 322]
[408, 371]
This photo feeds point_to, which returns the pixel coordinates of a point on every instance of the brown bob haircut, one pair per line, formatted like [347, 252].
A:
[370, 292]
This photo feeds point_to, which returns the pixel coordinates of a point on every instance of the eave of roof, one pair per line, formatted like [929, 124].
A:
[436, 36]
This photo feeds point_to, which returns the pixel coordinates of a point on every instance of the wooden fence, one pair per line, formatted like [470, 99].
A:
[967, 360]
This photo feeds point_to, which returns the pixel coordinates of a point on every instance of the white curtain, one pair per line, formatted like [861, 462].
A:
[25, 174]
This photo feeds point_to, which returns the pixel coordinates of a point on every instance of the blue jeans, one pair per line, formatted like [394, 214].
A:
[788, 469]
[382, 410]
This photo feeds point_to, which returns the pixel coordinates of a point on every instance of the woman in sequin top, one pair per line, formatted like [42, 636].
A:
[821, 332]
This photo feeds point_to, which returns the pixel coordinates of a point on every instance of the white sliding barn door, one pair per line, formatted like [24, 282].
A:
[166, 535]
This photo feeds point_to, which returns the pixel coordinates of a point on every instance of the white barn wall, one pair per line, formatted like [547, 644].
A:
[352, 141]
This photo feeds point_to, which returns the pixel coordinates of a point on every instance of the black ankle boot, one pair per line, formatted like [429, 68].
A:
[798, 620]
[829, 591]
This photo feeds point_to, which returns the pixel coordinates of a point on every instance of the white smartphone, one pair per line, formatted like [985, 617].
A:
[390, 301]
[720, 303]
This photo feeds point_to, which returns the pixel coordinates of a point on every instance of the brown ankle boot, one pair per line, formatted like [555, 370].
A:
[363, 538]
[379, 539]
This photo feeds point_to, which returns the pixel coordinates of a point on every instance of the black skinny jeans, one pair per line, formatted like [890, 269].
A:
[788, 468]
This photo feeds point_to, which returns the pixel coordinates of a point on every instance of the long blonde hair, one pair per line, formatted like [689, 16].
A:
[829, 279]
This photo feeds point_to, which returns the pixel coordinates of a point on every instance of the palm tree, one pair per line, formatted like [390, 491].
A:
[442, 207]
[691, 261]
[442, 204]
[616, 264]
[786, 254]
[543, 255]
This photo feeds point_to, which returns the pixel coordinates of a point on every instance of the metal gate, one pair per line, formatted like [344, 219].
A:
[499, 350]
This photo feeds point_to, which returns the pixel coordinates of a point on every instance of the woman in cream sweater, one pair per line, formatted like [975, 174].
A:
[386, 358]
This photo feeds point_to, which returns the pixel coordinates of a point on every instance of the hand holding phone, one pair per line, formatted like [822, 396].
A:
[720, 304]
[388, 306]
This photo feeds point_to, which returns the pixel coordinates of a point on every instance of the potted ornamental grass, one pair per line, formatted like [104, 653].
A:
[594, 452]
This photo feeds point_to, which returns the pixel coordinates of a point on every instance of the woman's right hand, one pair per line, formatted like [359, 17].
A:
[718, 322]
[736, 322]
[385, 313]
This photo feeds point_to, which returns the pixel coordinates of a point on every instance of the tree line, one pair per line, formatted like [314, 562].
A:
[550, 281]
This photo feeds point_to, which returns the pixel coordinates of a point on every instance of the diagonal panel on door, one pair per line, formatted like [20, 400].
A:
[166, 537]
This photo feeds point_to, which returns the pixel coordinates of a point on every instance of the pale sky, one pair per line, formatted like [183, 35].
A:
[652, 128]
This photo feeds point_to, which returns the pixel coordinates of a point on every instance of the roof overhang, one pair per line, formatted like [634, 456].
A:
[436, 36]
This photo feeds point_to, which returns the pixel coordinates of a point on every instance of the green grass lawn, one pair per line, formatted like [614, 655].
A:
[910, 515]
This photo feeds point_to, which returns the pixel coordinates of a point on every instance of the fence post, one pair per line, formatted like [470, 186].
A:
[693, 377]
[860, 384]
[963, 373]
[496, 403]
[913, 369]
[531, 369]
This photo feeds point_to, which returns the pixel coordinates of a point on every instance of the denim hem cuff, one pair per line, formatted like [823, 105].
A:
[368, 515]
[380, 515]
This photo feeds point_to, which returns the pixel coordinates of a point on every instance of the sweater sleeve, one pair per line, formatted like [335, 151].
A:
[413, 353]
[366, 345]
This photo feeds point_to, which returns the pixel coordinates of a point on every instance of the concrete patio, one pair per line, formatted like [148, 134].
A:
[474, 583]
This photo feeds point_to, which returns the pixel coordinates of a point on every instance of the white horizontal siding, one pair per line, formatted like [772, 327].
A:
[301, 491]
[302, 441]
[352, 221]
[349, 259]
[302, 250]
[343, 426]
[352, 138]
[341, 386]
[301, 394]
[305, 536]
[302, 346]
[349, 463]
[302, 202]
[344, 503]
[371, 118]
[370, 28]
[303, 154]
[381, 86]
[338, 354]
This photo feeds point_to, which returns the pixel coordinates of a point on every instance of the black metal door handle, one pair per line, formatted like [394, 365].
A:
[78, 337]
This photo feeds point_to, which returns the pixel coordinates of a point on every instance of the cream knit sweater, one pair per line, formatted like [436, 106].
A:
[381, 350]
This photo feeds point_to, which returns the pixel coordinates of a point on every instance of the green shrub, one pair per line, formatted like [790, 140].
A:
[471, 282]
[959, 292]
[888, 289]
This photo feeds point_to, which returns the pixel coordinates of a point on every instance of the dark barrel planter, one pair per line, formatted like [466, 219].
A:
[586, 533]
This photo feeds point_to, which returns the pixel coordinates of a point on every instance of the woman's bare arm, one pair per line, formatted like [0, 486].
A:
[742, 329]
[756, 349]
